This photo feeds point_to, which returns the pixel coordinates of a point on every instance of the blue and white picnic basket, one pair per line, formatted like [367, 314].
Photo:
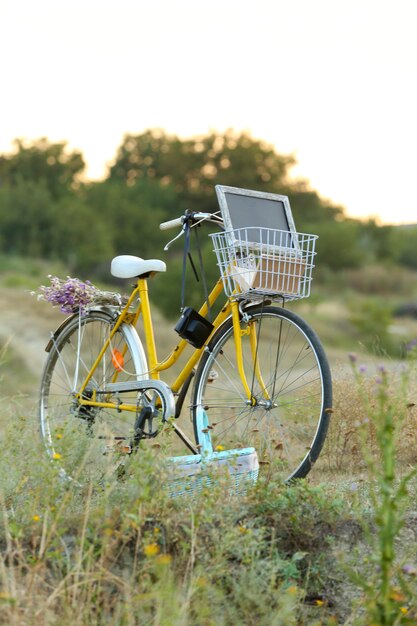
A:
[236, 469]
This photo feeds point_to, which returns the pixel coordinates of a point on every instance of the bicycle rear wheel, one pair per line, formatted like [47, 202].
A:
[290, 382]
[88, 442]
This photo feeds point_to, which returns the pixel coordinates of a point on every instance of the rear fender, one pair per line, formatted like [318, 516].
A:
[54, 336]
[132, 338]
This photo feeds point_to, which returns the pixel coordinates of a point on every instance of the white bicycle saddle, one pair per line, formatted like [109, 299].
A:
[128, 266]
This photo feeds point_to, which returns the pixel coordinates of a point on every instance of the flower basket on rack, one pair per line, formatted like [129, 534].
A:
[74, 295]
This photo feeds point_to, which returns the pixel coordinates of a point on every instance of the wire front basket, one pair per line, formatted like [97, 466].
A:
[257, 262]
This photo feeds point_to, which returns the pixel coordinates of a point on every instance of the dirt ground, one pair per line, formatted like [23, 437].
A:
[25, 326]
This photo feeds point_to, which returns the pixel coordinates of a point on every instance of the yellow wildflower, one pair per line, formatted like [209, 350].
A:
[36, 518]
[5, 597]
[220, 448]
[164, 559]
[397, 595]
[151, 549]
[56, 456]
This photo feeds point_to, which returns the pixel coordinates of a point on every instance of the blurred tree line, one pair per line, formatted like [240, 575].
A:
[47, 210]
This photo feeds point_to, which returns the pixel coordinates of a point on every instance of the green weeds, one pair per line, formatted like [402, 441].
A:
[123, 552]
[388, 599]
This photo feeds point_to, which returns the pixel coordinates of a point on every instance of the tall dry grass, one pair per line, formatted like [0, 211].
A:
[123, 552]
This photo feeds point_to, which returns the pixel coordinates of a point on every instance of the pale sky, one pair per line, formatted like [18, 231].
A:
[331, 81]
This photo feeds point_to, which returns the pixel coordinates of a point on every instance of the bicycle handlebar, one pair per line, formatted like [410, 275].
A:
[171, 224]
[191, 219]
[196, 217]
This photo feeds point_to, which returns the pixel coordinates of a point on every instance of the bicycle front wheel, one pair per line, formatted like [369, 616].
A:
[88, 442]
[287, 416]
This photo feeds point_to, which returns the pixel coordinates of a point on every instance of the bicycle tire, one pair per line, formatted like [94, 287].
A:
[87, 444]
[297, 376]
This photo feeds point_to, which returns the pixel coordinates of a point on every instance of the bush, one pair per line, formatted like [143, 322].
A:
[372, 320]
[380, 280]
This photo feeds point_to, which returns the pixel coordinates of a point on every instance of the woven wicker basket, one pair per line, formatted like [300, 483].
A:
[236, 469]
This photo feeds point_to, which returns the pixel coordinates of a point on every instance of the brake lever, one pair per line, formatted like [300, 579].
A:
[188, 224]
[166, 247]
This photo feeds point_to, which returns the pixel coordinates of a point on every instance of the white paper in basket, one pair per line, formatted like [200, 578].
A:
[244, 272]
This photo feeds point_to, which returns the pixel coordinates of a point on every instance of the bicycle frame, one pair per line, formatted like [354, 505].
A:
[155, 367]
[260, 379]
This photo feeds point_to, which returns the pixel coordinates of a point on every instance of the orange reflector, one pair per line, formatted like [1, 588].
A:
[117, 359]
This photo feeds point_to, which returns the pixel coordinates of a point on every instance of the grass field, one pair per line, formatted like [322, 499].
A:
[337, 548]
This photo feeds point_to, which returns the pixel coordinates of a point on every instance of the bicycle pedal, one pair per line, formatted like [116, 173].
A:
[124, 449]
[120, 447]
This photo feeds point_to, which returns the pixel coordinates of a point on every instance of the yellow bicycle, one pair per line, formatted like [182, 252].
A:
[258, 371]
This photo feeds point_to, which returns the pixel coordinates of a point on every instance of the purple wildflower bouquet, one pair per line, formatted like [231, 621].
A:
[70, 294]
